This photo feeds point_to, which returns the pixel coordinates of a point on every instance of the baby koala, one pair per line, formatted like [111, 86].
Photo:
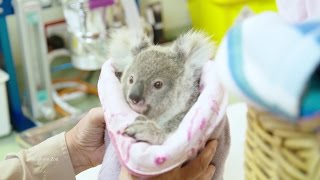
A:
[160, 83]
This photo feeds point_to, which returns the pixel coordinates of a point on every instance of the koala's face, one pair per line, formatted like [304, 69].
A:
[150, 81]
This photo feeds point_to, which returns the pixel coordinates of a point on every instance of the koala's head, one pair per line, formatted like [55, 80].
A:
[152, 74]
[150, 81]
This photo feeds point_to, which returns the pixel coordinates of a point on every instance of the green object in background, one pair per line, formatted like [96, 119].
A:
[42, 96]
[32, 18]
[217, 16]
[8, 145]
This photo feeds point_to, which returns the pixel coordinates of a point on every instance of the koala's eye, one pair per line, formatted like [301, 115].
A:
[131, 79]
[157, 84]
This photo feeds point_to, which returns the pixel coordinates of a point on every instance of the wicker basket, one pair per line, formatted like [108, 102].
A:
[278, 149]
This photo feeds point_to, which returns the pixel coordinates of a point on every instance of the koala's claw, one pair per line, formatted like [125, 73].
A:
[145, 131]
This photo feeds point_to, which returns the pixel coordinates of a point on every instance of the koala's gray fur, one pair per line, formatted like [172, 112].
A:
[178, 68]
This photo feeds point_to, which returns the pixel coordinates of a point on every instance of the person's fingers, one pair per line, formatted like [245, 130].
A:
[93, 119]
[199, 165]
[96, 116]
[173, 174]
[208, 173]
[91, 125]
[125, 175]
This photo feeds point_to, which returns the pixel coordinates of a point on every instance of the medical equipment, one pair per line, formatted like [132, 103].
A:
[38, 99]
[29, 57]
[19, 121]
[5, 126]
[87, 24]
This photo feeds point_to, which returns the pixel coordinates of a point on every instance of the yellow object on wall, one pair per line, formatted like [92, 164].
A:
[216, 16]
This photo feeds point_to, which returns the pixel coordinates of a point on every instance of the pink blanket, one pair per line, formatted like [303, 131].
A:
[147, 160]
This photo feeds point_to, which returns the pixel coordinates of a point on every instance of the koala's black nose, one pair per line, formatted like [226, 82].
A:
[135, 99]
[136, 93]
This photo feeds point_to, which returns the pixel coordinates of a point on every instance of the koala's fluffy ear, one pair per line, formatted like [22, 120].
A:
[123, 46]
[195, 47]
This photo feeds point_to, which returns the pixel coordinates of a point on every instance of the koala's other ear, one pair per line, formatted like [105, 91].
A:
[124, 45]
[194, 47]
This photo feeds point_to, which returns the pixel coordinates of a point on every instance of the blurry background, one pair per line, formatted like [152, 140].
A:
[51, 52]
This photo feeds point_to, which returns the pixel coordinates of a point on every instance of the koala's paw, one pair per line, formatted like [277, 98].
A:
[145, 131]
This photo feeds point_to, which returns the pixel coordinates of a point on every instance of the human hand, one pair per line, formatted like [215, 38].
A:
[85, 141]
[197, 169]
